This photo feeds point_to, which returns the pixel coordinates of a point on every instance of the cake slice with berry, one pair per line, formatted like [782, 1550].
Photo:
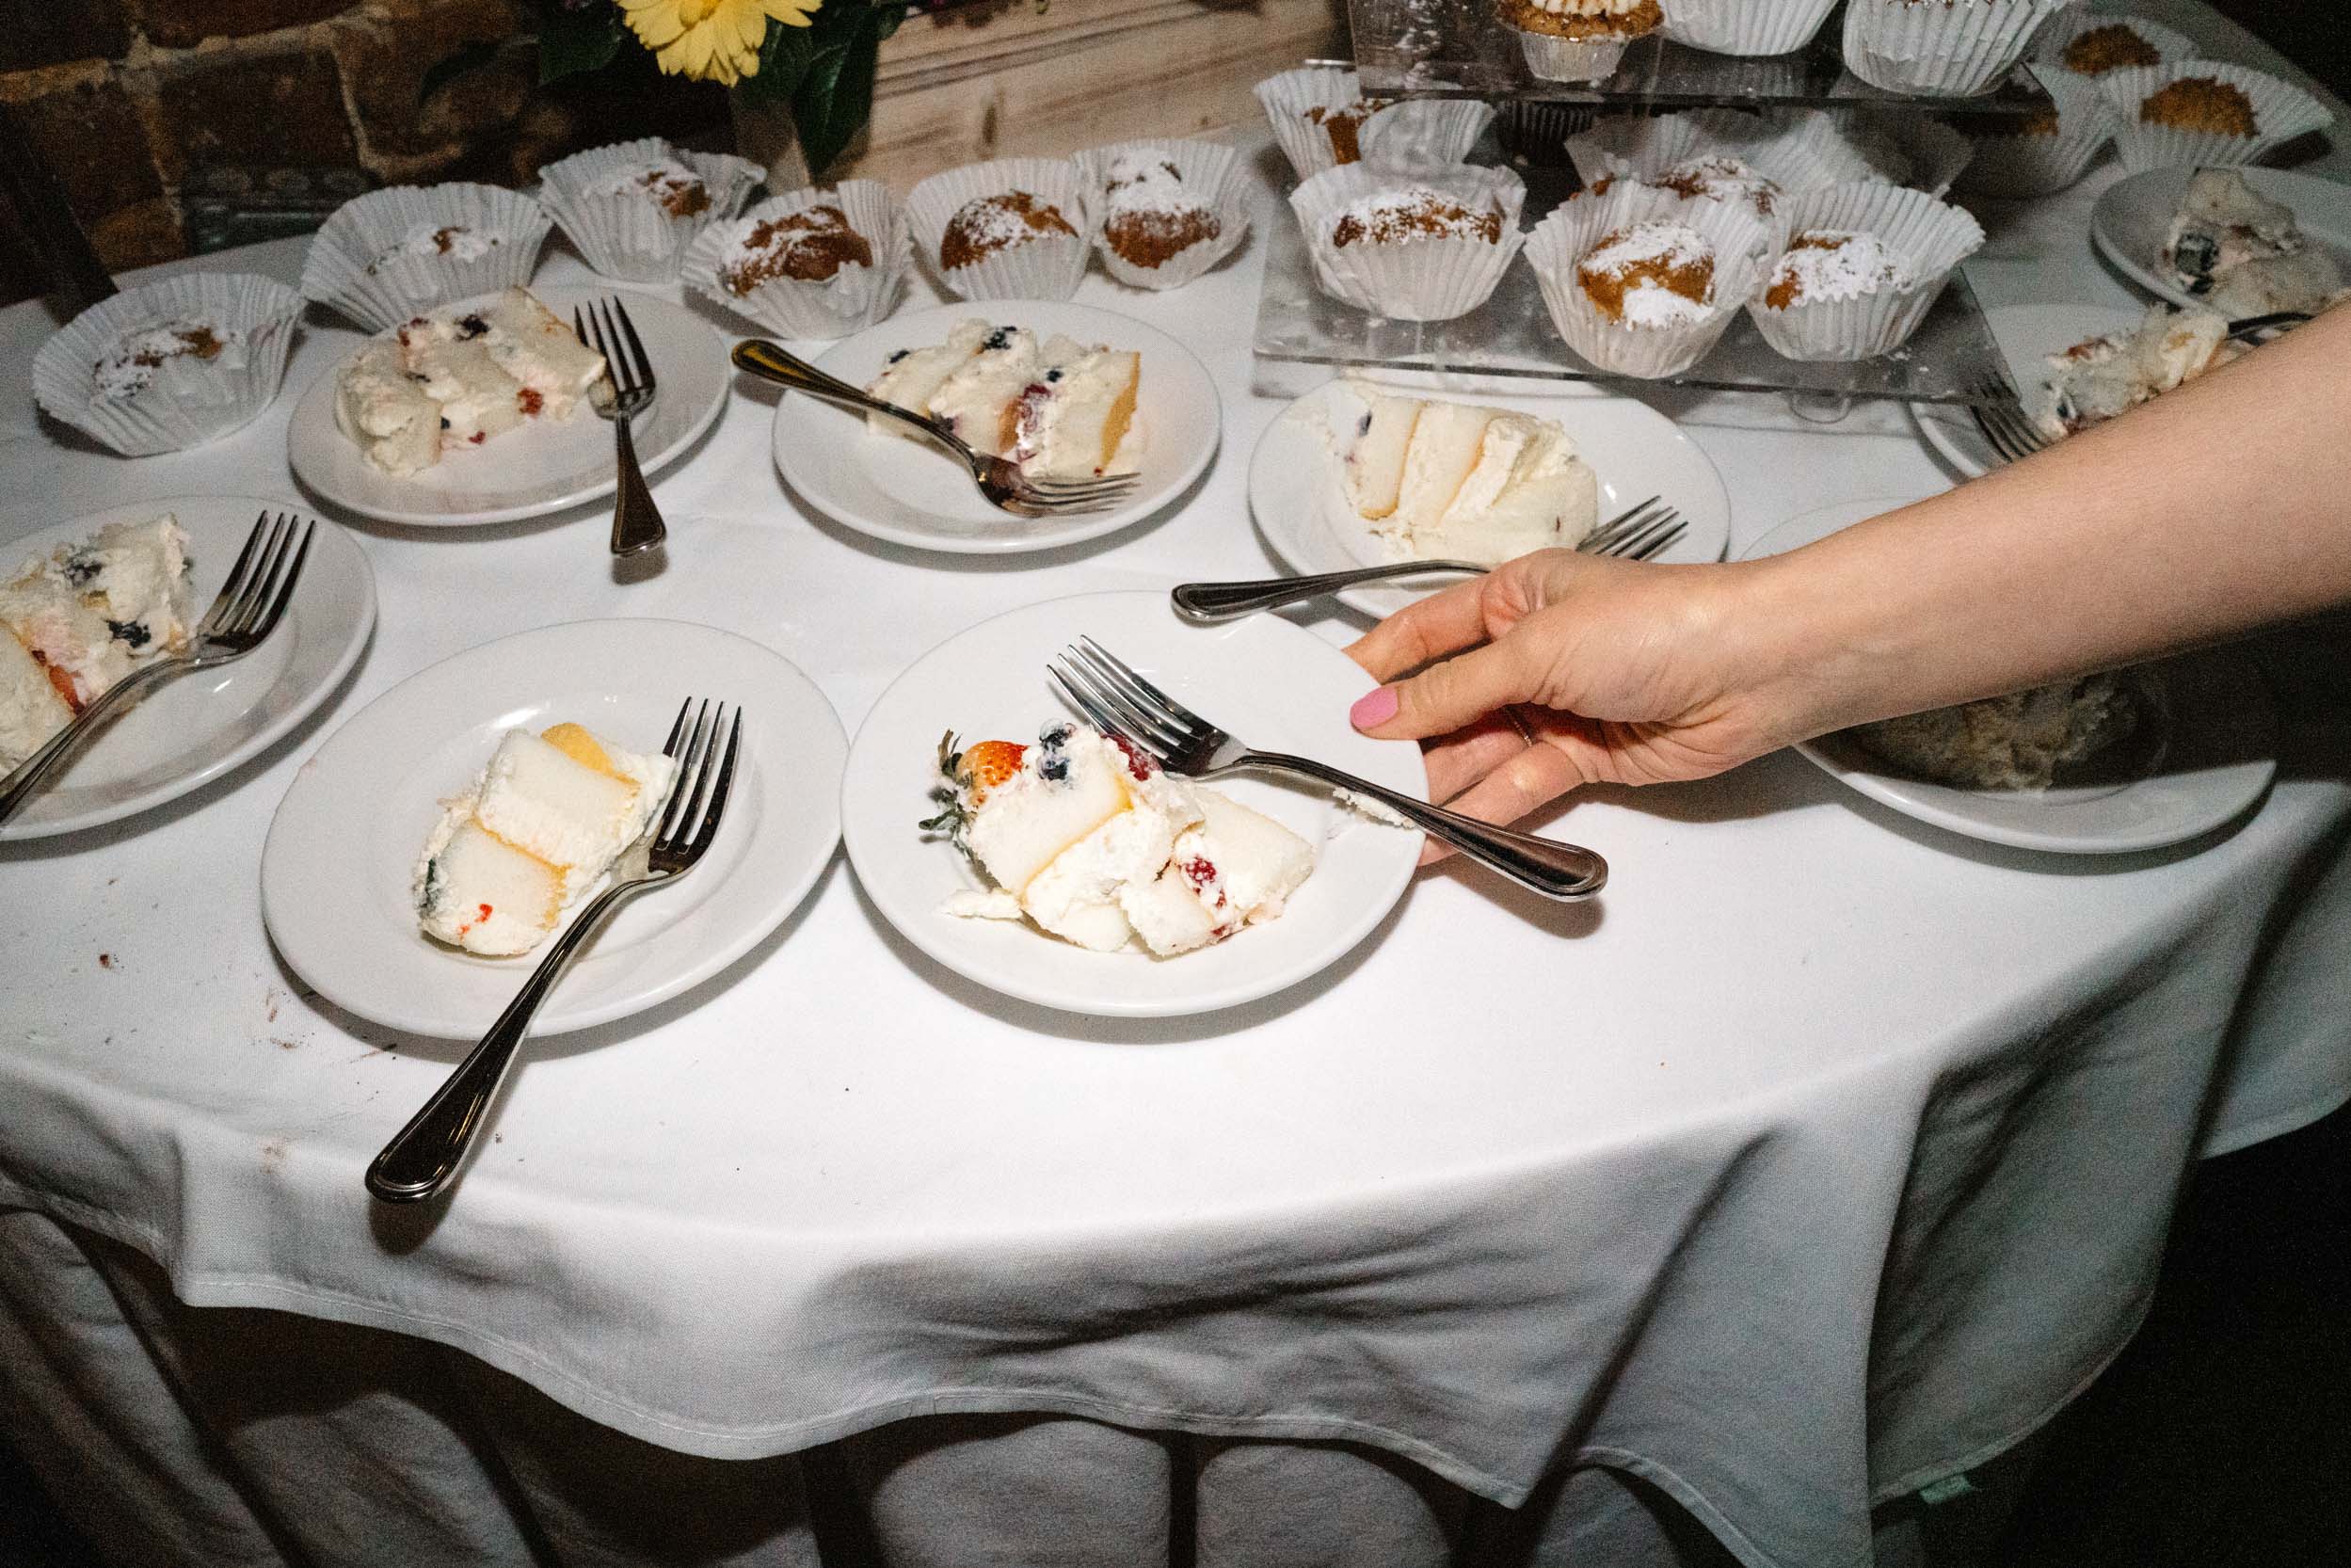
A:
[1090, 841]
[1071, 421]
[80, 618]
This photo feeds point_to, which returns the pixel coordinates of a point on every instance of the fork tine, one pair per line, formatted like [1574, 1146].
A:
[669, 747]
[1104, 482]
[1132, 716]
[260, 582]
[691, 792]
[719, 787]
[233, 585]
[1097, 715]
[283, 595]
[1600, 538]
[636, 351]
[1124, 696]
[1631, 545]
[674, 809]
[1183, 717]
[1659, 543]
[615, 357]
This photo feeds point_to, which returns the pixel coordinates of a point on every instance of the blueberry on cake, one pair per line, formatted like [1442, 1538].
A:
[456, 377]
[2243, 253]
[1150, 215]
[1412, 213]
[811, 246]
[533, 835]
[1450, 480]
[1822, 264]
[1092, 841]
[1656, 273]
[987, 224]
[77, 620]
[2202, 104]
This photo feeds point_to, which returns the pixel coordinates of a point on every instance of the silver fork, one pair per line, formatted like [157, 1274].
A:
[1118, 700]
[421, 1157]
[243, 615]
[2001, 420]
[637, 526]
[1637, 534]
[1000, 480]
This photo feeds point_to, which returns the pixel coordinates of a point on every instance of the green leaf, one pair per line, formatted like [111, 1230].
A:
[571, 42]
[836, 96]
[784, 57]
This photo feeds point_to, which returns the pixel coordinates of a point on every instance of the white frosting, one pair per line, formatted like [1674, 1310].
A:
[163, 352]
[455, 241]
[1647, 303]
[95, 611]
[1861, 263]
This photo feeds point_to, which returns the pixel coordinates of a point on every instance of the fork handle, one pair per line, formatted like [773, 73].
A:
[637, 526]
[424, 1154]
[1210, 602]
[1547, 866]
[773, 362]
[25, 780]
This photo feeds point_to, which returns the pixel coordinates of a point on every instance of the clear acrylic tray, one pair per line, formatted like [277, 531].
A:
[1951, 359]
[1454, 48]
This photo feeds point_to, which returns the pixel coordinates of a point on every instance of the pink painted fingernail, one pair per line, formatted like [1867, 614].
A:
[1373, 709]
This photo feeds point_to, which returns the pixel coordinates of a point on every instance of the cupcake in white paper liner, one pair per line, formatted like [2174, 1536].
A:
[2086, 44]
[392, 254]
[1165, 211]
[1656, 330]
[1864, 265]
[1750, 27]
[633, 207]
[1008, 229]
[1939, 48]
[1577, 41]
[170, 364]
[1424, 131]
[1317, 113]
[821, 262]
[1416, 245]
[2195, 113]
[2050, 150]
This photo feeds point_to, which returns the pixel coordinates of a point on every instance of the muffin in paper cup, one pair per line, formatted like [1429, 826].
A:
[2047, 156]
[2055, 47]
[392, 254]
[1127, 236]
[851, 299]
[1939, 48]
[90, 373]
[1590, 58]
[623, 229]
[1432, 278]
[1574, 226]
[1286, 99]
[1424, 131]
[1745, 26]
[2281, 112]
[1932, 236]
[1045, 268]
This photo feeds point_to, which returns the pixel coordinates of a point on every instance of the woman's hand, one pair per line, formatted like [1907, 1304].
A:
[1560, 669]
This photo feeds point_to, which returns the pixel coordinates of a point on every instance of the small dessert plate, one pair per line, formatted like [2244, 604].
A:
[336, 867]
[542, 467]
[2215, 755]
[909, 491]
[2133, 219]
[192, 729]
[1275, 685]
[2027, 335]
[1296, 490]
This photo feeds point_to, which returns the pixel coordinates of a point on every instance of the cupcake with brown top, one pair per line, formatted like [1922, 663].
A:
[2085, 45]
[1577, 41]
[2204, 112]
[1939, 48]
[2203, 103]
[821, 262]
[632, 208]
[1427, 244]
[1011, 229]
[1642, 280]
[1170, 210]
[1866, 264]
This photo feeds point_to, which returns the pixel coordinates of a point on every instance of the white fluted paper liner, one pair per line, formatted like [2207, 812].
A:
[851, 300]
[1209, 170]
[1748, 27]
[1422, 280]
[1934, 236]
[2039, 165]
[1796, 149]
[1424, 131]
[628, 235]
[1568, 59]
[1939, 48]
[2281, 112]
[1933, 154]
[2071, 24]
[347, 266]
[1288, 96]
[1561, 240]
[1047, 267]
[189, 401]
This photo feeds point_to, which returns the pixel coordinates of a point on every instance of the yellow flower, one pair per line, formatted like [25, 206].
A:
[711, 41]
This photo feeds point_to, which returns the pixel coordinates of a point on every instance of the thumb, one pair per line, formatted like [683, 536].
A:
[1446, 696]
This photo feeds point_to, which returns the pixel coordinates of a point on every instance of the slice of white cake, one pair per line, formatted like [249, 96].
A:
[1447, 439]
[93, 612]
[1374, 462]
[1437, 479]
[477, 399]
[912, 376]
[1071, 421]
[976, 399]
[1528, 491]
[532, 344]
[31, 706]
[378, 405]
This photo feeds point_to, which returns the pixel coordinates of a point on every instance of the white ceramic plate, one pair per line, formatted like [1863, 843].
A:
[2219, 753]
[195, 728]
[543, 466]
[1635, 450]
[2134, 216]
[1274, 683]
[2027, 335]
[335, 868]
[910, 492]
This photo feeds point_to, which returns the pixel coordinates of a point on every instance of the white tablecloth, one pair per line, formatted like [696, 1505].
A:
[1826, 1155]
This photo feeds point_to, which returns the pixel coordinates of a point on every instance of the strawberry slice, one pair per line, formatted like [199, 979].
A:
[983, 766]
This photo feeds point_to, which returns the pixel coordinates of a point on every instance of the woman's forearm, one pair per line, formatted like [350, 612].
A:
[2217, 509]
